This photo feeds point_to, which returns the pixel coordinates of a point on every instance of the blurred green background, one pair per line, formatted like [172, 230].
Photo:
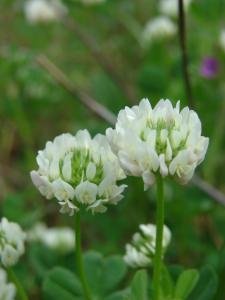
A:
[34, 108]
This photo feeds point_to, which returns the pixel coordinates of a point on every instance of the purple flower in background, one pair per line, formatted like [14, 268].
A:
[209, 68]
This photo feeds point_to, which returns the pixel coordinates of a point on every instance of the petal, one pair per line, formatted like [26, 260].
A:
[91, 171]
[162, 165]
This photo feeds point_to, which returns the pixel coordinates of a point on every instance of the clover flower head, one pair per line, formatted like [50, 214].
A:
[42, 11]
[12, 240]
[78, 170]
[170, 7]
[141, 251]
[222, 39]
[160, 140]
[7, 290]
[61, 239]
[157, 29]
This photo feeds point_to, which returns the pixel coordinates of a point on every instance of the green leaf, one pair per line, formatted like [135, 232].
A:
[42, 259]
[139, 286]
[121, 295]
[185, 284]
[207, 285]
[93, 263]
[113, 271]
[167, 285]
[62, 284]
[175, 271]
[108, 273]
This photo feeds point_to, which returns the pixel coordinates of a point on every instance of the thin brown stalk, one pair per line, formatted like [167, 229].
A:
[184, 53]
[84, 98]
[209, 189]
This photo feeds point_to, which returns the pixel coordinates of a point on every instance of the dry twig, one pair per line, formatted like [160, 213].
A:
[89, 102]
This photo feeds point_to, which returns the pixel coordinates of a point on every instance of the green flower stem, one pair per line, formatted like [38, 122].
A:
[20, 290]
[79, 260]
[159, 238]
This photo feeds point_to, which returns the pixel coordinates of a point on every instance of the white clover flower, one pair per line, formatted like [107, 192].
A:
[42, 11]
[92, 2]
[7, 290]
[35, 233]
[156, 140]
[222, 39]
[170, 7]
[12, 240]
[61, 239]
[141, 251]
[157, 29]
[78, 170]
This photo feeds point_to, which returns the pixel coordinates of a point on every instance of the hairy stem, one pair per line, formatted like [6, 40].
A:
[79, 259]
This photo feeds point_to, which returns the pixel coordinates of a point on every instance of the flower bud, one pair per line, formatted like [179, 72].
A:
[141, 251]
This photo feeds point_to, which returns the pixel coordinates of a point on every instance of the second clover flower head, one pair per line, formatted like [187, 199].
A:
[163, 139]
[78, 170]
[12, 240]
[141, 251]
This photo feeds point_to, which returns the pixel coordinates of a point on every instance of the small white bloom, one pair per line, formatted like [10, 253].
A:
[61, 239]
[140, 253]
[67, 207]
[62, 190]
[98, 206]
[12, 240]
[36, 232]
[161, 140]
[91, 171]
[135, 258]
[7, 290]
[170, 7]
[158, 28]
[86, 192]
[67, 167]
[41, 11]
[222, 39]
[9, 256]
[79, 170]
[43, 184]
[149, 231]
